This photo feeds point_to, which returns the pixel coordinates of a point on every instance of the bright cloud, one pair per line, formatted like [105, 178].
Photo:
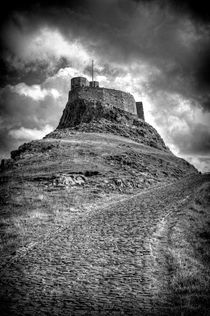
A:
[44, 45]
[29, 134]
[35, 92]
[48, 42]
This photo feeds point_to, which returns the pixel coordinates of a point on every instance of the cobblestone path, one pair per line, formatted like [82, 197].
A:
[105, 262]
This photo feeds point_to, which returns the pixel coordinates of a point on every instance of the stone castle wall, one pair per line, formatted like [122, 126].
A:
[140, 110]
[107, 97]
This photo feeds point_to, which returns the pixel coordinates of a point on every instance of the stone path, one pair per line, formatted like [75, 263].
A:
[103, 262]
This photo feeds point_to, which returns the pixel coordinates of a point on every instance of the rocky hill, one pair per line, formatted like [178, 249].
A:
[109, 149]
[78, 209]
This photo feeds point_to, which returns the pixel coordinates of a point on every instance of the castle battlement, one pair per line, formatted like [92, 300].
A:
[81, 89]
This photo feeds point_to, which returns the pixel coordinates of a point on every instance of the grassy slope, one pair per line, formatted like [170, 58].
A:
[32, 207]
[113, 167]
[182, 241]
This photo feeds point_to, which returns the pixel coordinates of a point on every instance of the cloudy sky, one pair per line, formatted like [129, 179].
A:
[157, 50]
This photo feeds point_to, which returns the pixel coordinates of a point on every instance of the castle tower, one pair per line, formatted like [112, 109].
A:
[79, 82]
[140, 110]
[94, 84]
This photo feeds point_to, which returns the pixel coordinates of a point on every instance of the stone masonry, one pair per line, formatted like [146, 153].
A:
[140, 110]
[107, 97]
[88, 101]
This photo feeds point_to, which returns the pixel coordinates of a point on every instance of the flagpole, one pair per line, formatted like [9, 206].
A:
[92, 70]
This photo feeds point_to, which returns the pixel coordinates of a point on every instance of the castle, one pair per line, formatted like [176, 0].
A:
[83, 91]
[81, 88]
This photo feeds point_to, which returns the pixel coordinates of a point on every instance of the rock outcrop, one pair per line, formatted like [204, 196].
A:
[88, 116]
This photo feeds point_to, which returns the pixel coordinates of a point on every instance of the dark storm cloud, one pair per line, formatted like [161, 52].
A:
[7, 143]
[33, 73]
[22, 110]
[196, 9]
[157, 32]
[197, 142]
[202, 71]
[23, 118]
